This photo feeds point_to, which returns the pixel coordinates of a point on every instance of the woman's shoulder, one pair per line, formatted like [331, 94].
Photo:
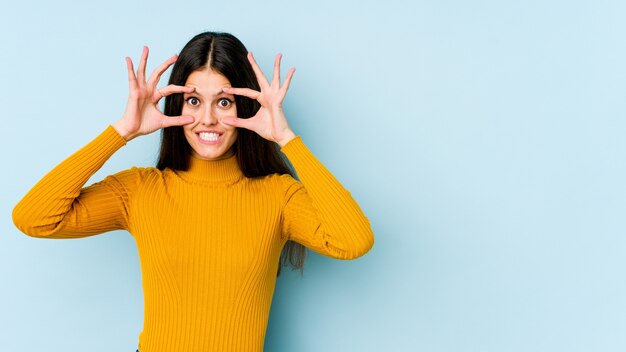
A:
[282, 178]
[284, 183]
[274, 180]
[136, 174]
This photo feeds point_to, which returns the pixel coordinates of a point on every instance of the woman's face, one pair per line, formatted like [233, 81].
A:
[208, 137]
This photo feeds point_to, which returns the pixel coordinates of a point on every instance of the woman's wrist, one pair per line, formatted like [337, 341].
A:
[122, 131]
[286, 139]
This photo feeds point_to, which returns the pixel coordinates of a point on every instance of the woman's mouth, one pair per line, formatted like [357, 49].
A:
[209, 138]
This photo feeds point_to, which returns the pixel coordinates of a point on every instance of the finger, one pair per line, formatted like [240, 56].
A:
[169, 121]
[141, 72]
[246, 92]
[257, 71]
[276, 79]
[172, 89]
[237, 122]
[132, 80]
[156, 74]
[285, 86]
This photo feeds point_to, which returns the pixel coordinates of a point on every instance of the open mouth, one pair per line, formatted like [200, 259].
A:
[209, 137]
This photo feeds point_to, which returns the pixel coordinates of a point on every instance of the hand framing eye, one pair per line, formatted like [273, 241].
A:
[270, 121]
[142, 114]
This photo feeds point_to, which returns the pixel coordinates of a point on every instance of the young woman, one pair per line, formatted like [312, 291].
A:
[220, 213]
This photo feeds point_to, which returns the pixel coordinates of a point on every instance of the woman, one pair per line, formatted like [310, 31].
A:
[221, 212]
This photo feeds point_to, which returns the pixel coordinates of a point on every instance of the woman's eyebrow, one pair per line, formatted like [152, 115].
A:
[214, 95]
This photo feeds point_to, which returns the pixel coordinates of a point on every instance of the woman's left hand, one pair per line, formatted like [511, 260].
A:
[270, 121]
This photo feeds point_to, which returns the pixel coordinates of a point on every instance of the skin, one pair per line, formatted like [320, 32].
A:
[208, 104]
[142, 115]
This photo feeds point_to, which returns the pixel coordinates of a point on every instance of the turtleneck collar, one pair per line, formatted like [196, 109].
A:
[222, 171]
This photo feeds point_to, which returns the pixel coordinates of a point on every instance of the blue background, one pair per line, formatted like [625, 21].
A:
[483, 139]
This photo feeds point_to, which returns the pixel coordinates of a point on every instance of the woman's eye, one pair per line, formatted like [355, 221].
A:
[193, 101]
[224, 103]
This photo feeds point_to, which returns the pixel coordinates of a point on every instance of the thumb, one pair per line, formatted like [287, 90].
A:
[177, 120]
[237, 122]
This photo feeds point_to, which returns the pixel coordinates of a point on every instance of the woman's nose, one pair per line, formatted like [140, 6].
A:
[209, 117]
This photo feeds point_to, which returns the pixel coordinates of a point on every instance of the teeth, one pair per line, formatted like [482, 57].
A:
[206, 136]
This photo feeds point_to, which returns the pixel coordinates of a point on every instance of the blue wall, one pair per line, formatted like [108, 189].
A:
[484, 140]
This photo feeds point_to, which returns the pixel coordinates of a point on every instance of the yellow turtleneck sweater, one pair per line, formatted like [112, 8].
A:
[209, 238]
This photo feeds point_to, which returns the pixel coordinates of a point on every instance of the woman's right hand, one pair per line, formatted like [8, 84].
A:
[142, 115]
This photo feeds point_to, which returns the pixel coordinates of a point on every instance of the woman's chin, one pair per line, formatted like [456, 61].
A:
[213, 154]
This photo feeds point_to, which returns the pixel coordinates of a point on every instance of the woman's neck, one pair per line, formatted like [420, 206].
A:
[224, 169]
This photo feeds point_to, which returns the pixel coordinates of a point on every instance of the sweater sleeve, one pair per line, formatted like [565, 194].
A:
[59, 207]
[319, 212]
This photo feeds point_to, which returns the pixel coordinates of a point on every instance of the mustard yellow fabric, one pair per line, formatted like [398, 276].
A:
[209, 238]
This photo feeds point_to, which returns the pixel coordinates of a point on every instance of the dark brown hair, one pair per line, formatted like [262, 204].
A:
[224, 53]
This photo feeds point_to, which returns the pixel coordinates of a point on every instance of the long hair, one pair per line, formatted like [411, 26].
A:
[256, 156]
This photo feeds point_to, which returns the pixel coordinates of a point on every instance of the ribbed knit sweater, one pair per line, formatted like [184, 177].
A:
[209, 238]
